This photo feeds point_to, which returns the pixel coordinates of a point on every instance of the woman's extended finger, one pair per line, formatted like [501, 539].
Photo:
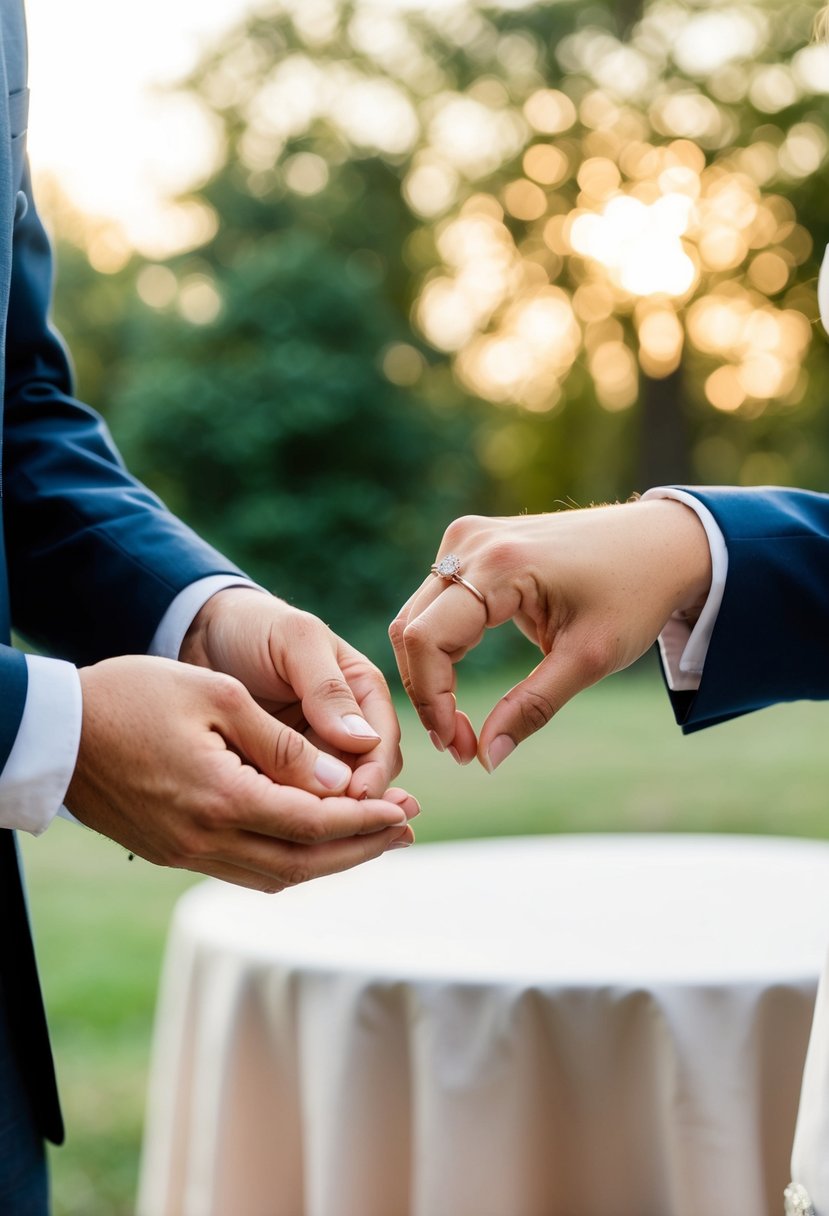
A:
[452, 624]
[426, 593]
[571, 666]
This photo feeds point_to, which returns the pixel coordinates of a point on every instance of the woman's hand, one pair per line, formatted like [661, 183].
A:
[592, 588]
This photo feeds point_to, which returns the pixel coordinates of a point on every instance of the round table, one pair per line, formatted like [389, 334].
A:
[571, 1026]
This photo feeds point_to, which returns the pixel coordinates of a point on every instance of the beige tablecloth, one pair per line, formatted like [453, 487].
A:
[577, 1026]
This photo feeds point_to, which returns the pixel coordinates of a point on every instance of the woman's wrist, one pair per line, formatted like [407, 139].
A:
[685, 566]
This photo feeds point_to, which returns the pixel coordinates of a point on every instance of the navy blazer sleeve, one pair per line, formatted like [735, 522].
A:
[93, 559]
[771, 639]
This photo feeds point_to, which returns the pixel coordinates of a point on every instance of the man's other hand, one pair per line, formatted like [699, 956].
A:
[182, 767]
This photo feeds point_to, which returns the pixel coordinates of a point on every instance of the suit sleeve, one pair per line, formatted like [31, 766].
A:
[770, 642]
[14, 681]
[94, 559]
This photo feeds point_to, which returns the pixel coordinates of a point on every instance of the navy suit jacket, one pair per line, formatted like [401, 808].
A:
[771, 639]
[89, 558]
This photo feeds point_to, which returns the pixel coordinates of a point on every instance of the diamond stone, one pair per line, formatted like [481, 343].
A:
[449, 565]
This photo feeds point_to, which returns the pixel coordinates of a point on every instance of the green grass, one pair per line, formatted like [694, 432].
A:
[612, 761]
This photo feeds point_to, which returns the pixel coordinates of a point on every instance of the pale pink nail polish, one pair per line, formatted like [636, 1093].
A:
[435, 737]
[455, 754]
[400, 844]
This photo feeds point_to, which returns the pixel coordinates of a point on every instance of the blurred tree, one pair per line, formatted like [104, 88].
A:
[264, 417]
[599, 215]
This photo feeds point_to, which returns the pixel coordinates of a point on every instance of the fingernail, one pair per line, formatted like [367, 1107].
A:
[435, 737]
[358, 727]
[395, 823]
[455, 754]
[330, 772]
[404, 800]
[400, 844]
[499, 749]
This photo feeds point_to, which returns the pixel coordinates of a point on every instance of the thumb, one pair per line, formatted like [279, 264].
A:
[535, 700]
[331, 708]
[283, 754]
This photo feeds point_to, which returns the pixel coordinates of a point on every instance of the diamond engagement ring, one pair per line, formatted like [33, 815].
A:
[449, 568]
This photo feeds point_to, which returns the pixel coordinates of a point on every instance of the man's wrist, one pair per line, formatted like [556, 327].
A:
[195, 645]
[182, 611]
[36, 776]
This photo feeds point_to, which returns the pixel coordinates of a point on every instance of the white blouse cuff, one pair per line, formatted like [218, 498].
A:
[684, 650]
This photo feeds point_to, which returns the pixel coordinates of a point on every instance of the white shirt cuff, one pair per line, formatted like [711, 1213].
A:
[36, 776]
[178, 618]
[684, 650]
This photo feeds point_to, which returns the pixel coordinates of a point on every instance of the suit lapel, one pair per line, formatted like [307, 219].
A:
[19, 984]
[7, 41]
[10, 39]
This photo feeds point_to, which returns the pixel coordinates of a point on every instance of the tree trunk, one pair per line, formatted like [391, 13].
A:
[664, 451]
[628, 13]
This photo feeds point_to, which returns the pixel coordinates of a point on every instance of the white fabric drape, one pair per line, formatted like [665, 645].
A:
[608, 1026]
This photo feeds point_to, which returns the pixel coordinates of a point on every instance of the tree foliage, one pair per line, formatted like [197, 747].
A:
[274, 431]
[476, 258]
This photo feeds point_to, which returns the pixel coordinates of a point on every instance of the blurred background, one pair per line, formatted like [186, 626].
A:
[338, 272]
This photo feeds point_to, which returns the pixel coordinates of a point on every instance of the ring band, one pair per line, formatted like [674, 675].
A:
[449, 569]
[462, 582]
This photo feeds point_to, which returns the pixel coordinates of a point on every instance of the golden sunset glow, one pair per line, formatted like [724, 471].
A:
[618, 223]
[624, 213]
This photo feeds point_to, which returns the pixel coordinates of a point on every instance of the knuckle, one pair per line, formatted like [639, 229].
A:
[372, 846]
[376, 679]
[596, 659]
[306, 628]
[415, 637]
[503, 555]
[185, 849]
[294, 873]
[332, 688]
[536, 708]
[229, 693]
[215, 813]
[304, 828]
[396, 630]
[462, 528]
[289, 748]
[312, 830]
